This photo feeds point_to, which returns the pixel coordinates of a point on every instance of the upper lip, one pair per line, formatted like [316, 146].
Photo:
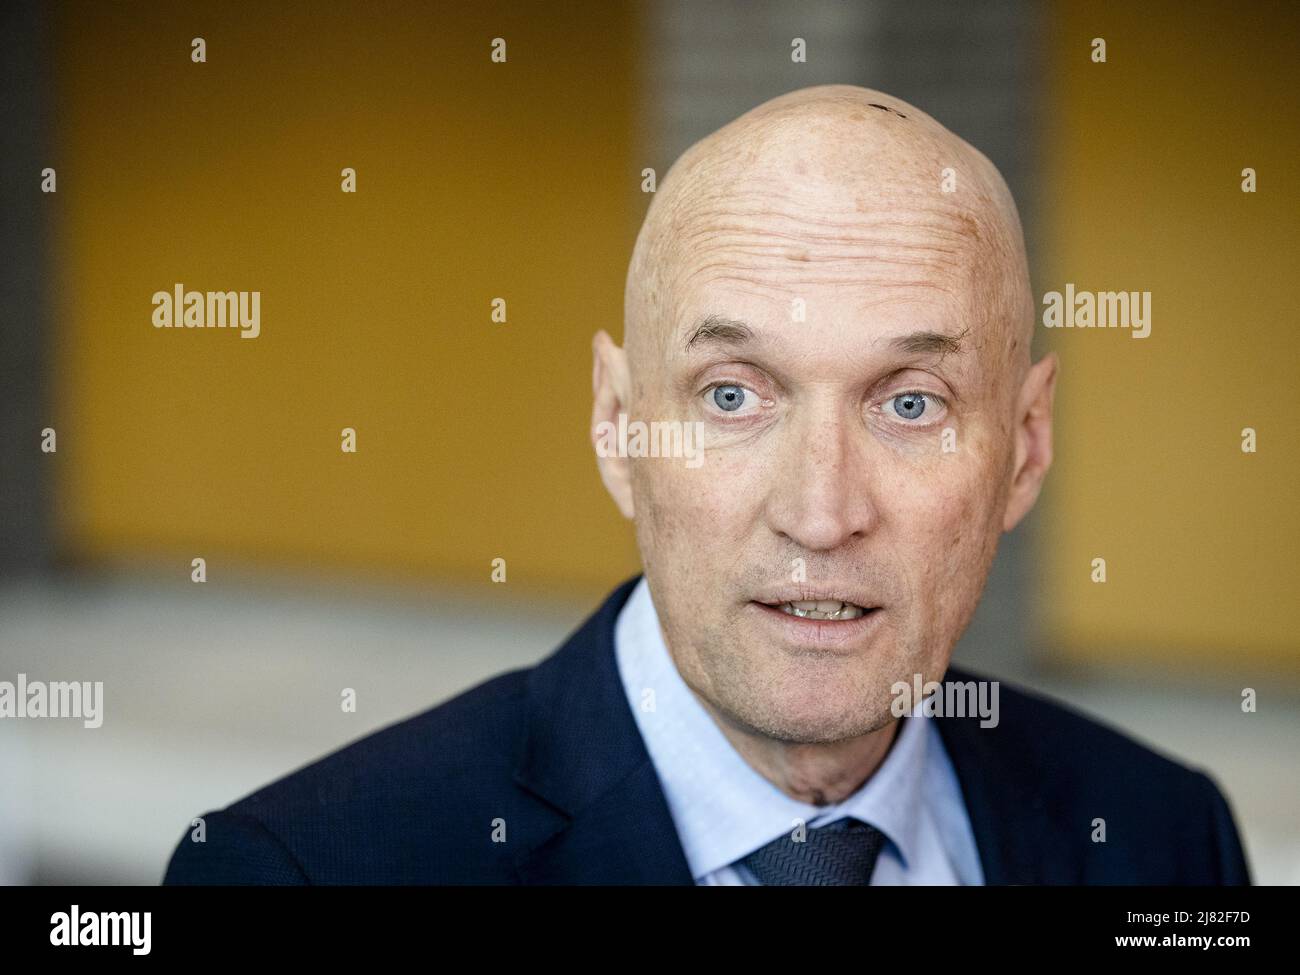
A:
[796, 594]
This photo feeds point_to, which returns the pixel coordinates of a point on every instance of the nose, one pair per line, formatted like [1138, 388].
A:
[822, 496]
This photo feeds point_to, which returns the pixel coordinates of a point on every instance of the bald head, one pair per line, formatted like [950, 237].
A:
[833, 183]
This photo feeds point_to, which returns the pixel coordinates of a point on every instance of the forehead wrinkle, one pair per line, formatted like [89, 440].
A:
[953, 226]
[881, 268]
[905, 211]
[856, 241]
[785, 262]
[744, 233]
[765, 287]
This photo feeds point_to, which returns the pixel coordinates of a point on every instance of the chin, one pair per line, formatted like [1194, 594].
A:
[816, 717]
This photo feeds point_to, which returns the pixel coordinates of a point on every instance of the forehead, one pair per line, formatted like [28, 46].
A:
[837, 259]
[822, 321]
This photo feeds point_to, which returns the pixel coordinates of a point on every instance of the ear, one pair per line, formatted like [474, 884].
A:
[609, 388]
[1033, 433]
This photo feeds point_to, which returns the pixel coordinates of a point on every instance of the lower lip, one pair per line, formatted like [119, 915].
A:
[820, 634]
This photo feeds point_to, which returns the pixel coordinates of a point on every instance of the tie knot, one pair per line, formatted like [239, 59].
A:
[839, 854]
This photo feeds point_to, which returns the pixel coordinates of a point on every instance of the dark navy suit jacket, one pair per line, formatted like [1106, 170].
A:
[552, 756]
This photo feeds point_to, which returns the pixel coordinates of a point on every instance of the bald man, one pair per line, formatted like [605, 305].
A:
[827, 331]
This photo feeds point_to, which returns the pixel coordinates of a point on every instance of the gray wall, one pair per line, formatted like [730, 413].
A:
[24, 322]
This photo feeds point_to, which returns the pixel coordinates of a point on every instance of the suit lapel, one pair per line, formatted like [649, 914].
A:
[585, 759]
[1018, 839]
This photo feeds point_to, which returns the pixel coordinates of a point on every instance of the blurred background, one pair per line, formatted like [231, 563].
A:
[522, 180]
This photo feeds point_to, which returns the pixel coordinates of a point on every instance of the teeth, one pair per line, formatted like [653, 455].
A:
[822, 609]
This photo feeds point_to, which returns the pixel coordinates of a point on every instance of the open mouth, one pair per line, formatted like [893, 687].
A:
[821, 609]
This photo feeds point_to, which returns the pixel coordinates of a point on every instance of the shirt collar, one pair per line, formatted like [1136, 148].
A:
[723, 809]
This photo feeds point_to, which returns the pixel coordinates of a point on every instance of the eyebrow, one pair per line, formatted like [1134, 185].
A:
[715, 329]
[929, 343]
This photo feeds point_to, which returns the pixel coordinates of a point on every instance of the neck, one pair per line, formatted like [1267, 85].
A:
[820, 773]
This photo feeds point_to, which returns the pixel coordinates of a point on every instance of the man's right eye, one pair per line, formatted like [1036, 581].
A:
[729, 398]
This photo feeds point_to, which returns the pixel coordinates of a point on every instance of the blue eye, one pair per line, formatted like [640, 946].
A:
[909, 406]
[729, 398]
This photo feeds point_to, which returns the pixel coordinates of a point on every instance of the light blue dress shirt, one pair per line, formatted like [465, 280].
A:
[724, 810]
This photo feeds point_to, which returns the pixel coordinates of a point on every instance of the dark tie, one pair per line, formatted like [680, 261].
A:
[839, 854]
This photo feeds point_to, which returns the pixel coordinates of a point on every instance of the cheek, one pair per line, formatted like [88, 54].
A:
[672, 502]
[692, 526]
[712, 503]
[946, 534]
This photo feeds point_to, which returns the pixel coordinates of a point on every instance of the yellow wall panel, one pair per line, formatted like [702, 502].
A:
[1142, 191]
[475, 180]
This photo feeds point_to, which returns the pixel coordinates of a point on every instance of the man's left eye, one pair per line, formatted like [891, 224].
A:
[910, 406]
